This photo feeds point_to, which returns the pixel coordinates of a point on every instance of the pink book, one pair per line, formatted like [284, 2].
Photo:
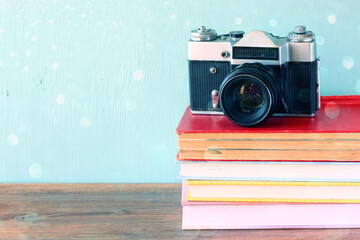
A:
[268, 216]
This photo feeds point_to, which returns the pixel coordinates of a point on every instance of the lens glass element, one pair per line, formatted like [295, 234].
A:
[249, 97]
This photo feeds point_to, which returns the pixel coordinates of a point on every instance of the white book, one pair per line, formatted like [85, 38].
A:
[270, 171]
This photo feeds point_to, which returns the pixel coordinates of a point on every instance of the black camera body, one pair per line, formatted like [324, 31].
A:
[250, 78]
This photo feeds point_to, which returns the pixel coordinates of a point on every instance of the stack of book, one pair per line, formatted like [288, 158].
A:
[285, 173]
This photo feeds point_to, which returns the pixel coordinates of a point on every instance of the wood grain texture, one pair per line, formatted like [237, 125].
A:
[116, 211]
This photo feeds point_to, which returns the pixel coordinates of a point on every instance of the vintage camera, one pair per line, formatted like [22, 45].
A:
[254, 76]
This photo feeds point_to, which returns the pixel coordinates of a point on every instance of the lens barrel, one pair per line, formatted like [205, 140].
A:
[250, 94]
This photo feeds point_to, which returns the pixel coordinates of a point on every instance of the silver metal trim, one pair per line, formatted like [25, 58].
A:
[264, 62]
[301, 52]
[203, 34]
[209, 50]
[294, 114]
[289, 51]
[274, 115]
[207, 112]
[215, 99]
[301, 35]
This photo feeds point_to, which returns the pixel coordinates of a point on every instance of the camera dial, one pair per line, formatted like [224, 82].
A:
[203, 34]
[236, 35]
[301, 35]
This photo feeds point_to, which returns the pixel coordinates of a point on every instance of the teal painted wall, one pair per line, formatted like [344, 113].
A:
[92, 91]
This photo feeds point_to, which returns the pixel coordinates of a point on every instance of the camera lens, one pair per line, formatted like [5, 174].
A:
[249, 94]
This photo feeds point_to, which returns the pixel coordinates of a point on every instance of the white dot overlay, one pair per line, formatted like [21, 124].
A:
[13, 140]
[26, 68]
[332, 110]
[130, 104]
[320, 40]
[53, 47]
[188, 23]
[55, 65]
[138, 74]
[331, 19]
[60, 99]
[36, 171]
[348, 62]
[357, 86]
[84, 122]
[238, 20]
[272, 22]
[173, 17]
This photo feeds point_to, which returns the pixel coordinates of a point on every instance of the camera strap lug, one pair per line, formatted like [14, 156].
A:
[215, 98]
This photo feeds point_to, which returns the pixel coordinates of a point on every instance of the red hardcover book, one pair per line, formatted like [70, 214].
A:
[332, 135]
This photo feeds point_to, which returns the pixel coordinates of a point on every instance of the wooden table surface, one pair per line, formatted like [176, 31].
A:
[116, 211]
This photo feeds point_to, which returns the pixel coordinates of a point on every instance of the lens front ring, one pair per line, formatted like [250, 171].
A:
[233, 97]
